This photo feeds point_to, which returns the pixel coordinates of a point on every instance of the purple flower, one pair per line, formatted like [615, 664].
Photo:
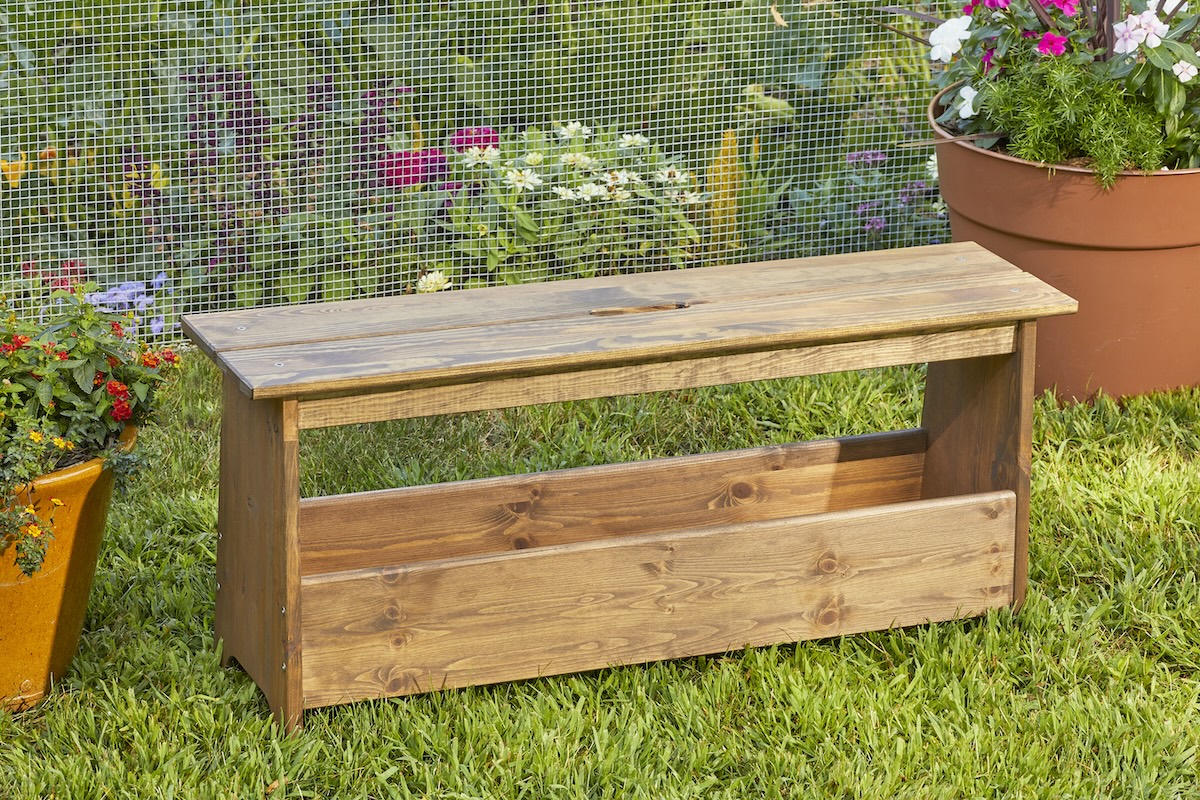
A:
[464, 138]
[874, 225]
[866, 158]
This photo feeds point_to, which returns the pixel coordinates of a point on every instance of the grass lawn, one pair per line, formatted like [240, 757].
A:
[1091, 692]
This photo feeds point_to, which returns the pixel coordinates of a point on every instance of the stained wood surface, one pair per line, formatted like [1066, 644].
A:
[713, 371]
[479, 335]
[457, 622]
[497, 515]
[258, 556]
[979, 415]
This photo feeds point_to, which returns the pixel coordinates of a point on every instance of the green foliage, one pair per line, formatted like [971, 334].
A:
[1054, 110]
[232, 145]
[865, 205]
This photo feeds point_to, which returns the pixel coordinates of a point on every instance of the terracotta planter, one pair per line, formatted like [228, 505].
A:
[1130, 256]
[41, 616]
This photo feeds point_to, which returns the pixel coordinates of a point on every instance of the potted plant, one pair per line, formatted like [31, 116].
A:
[74, 384]
[1068, 142]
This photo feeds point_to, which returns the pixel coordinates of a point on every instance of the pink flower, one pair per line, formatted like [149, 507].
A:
[1068, 7]
[989, 53]
[412, 167]
[971, 6]
[464, 138]
[997, 3]
[1052, 44]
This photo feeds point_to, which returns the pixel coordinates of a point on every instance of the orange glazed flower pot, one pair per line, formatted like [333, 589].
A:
[1130, 255]
[41, 616]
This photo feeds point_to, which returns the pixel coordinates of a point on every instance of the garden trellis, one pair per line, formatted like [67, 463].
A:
[189, 155]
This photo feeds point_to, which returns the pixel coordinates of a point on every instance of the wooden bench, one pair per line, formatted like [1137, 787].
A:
[333, 599]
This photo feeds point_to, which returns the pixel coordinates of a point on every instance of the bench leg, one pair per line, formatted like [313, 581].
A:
[979, 418]
[258, 564]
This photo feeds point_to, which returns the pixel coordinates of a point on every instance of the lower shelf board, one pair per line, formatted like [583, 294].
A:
[634, 599]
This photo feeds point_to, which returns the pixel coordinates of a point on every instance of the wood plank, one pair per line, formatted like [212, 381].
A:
[232, 330]
[377, 633]
[715, 371]
[258, 564]
[979, 414]
[496, 515]
[768, 323]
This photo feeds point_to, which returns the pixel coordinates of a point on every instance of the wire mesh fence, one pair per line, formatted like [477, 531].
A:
[188, 155]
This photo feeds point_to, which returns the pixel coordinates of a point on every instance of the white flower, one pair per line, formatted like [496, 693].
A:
[629, 140]
[931, 167]
[534, 159]
[592, 191]
[522, 179]
[621, 177]
[434, 281]
[579, 161]
[480, 156]
[1184, 71]
[1170, 5]
[573, 130]
[619, 195]
[966, 102]
[1129, 34]
[673, 175]
[948, 37]
[691, 198]
[563, 193]
[1154, 27]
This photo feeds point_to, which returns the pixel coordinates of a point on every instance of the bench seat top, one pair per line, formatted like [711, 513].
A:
[466, 336]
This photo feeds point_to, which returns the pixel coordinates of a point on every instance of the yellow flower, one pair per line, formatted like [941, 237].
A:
[13, 171]
[157, 179]
[30, 510]
[54, 501]
[36, 436]
[32, 529]
[60, 442]
[724, 181]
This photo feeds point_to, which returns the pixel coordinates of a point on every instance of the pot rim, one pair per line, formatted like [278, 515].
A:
[948, 138]
[127, 438]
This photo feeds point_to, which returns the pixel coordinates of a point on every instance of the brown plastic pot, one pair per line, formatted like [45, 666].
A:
[1130, 255]
[41, 616]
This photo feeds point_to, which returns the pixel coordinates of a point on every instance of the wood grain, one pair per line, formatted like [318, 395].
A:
[270, 327]
[767, 323]
[979, 415]
[498, 515]
[258, 556]
[458, 622]
[715, 371]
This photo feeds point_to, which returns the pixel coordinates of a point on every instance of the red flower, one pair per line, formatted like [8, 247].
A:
[121, 410]
[99, 379]
[117, 389]
[409, 168]
[150, 360]
[118, 330]
[62, 355]
[114, 362]
[18, 341]
[168, 355]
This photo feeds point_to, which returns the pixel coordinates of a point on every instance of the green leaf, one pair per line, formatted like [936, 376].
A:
[84, 374]
[295, 285]
[44, 393]
[141, 390]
